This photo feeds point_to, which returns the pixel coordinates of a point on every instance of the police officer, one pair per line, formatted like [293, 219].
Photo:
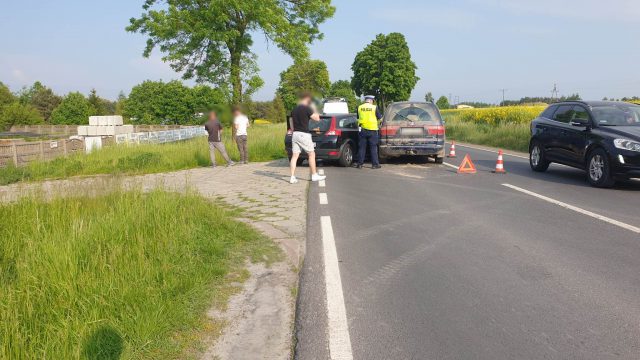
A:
[368, 118]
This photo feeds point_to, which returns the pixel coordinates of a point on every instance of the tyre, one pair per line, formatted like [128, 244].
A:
[537, 159]
[439, 160]
[599, 169]
[346, 156]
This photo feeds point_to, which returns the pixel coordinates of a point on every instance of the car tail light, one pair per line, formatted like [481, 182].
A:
[332, 128]
[435, 130]
[389, 131]
[333, 153]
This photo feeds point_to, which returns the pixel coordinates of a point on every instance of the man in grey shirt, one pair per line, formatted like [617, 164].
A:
[214, 128]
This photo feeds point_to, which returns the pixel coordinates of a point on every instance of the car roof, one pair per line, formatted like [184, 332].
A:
[411, 102]
[591, 103]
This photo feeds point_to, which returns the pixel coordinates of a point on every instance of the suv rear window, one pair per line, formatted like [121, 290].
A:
[414, 112]
[320, 126]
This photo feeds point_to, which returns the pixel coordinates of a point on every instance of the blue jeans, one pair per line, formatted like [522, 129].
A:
[371, 137]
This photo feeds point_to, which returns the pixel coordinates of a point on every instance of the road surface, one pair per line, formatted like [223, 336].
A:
[418, 262]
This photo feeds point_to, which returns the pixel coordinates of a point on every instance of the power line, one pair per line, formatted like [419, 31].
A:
[503, 96]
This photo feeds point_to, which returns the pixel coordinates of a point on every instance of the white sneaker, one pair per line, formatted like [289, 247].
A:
[293, 180]
[316, 177]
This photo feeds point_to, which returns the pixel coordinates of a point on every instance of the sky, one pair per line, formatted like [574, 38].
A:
[466, 49]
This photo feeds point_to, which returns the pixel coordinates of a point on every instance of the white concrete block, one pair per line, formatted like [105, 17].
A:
[102, 121]
[124, 129]
[118, 120]
[92, 130]
[94, 120]
[83, 130]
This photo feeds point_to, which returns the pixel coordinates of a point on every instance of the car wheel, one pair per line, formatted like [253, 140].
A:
[439, 160]
[599, 169]
[537, 159]
[346, 156]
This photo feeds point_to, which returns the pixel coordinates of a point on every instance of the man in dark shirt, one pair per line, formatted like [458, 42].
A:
[214, 128]
[301, 139]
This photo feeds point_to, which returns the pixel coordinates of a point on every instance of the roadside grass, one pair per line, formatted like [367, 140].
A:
[501, 134]
[265, 143]
[126, 275]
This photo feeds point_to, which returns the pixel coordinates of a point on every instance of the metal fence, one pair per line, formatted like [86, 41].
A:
[73, 129]
[23, 153]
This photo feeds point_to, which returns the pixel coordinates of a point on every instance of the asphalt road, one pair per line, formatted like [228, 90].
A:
[436, 265]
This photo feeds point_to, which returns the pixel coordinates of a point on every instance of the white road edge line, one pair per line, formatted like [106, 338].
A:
[321, 172]
[323, 199]
[492, 151]
[322, 183]
[576, 209]
[450, 165]
[339, 339]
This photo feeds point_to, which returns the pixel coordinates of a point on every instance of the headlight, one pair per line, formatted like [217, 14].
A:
[625, 144]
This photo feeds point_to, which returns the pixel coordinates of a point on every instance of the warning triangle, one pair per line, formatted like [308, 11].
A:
[467, 166]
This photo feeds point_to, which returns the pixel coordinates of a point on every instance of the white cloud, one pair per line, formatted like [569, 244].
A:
[593, 10]
[18, 75]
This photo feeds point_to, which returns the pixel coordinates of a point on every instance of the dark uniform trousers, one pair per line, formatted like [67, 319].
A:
[370, 137]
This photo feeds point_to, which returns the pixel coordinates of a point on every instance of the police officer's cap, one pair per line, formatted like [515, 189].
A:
[369, 97]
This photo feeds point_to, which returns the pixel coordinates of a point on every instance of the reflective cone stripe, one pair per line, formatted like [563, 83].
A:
[500, 164]
[452, 152]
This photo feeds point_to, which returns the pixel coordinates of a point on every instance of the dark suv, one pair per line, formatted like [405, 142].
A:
[600, 137]
[335, 136]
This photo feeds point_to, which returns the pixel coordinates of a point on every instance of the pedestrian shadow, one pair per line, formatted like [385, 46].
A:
[280, 163]
[272, 174]
[105, 343]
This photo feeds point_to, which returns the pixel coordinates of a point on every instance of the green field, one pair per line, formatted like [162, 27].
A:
[266, 142]
[121, 276]
[505, 127]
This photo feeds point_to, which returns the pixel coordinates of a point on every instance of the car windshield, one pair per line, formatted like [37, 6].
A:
[617, 115]
[414, 112]
[320, 126]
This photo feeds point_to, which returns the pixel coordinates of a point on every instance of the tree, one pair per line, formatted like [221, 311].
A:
[120, 104]
[429, 97]
[277, 112]
[17, 113]
[385, 69]
[6, 96]
[303, 75]
[211, 40]
[443, 103]
[342, 89]
[73, 110]
[41, 98]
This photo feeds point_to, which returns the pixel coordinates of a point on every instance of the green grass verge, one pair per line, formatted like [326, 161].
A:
[505, 135]
[122, 276]
[266, 142]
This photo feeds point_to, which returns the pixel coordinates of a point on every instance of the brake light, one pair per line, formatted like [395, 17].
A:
[435, 130]
[389, 130]
[333, 131]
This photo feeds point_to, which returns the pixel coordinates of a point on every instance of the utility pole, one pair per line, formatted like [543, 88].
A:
[503, 97]
[554, 92]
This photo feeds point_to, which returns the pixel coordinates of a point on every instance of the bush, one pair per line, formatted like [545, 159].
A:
[17, 113]
[73, 110]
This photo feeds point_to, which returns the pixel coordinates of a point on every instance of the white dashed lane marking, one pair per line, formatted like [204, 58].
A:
[323, 199]
[322, 183]
[339, 339]
[321, 171]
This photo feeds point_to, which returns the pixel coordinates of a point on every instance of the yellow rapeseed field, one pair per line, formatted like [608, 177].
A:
[497, 115]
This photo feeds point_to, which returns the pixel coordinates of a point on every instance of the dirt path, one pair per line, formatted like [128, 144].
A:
[260, 317]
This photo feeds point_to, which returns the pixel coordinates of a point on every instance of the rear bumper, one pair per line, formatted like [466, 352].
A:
[322, 154]
[401, 150]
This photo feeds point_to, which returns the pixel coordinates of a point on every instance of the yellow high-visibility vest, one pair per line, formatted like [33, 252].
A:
[367, 118]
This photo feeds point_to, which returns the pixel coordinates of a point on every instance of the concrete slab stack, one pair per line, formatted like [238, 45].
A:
[105, 126]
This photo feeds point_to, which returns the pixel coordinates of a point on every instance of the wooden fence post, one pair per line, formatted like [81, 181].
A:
[64, 147]
[41, 150]
[14, 150]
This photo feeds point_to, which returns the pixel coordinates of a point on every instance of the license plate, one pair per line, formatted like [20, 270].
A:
[412, 131]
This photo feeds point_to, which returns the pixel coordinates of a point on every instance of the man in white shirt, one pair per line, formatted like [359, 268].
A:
[240, 124]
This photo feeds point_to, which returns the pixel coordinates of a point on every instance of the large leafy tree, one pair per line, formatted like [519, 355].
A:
[6, 96]
[211, 40]
[73, 110]
[303, 75]
[443, 103]
[17, 113]
[342, 89]
[41, 98]
[385, 69]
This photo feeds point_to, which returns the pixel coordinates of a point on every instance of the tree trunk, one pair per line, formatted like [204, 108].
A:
[236, 81]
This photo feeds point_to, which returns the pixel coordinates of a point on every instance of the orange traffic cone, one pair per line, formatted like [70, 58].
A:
[467, 166]
[452, 152]
[500, 165]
